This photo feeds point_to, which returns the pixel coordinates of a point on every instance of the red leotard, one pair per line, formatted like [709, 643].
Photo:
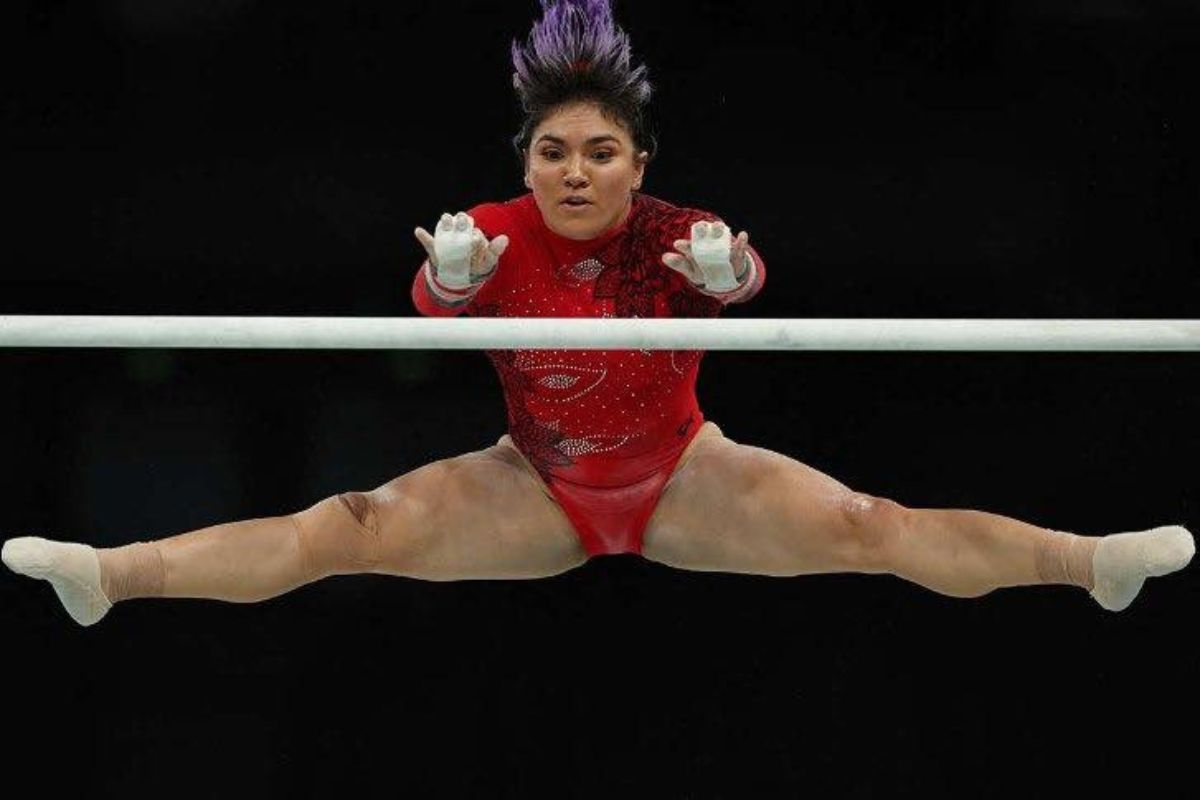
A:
[604, 428]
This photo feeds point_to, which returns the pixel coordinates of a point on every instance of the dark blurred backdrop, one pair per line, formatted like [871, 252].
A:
[260, 157]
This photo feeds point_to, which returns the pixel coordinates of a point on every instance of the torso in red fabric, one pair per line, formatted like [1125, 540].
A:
[594, 417]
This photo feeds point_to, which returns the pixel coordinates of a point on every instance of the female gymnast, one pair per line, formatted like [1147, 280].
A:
[607, 451]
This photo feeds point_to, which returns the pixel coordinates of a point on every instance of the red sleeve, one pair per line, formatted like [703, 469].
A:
[492, 219]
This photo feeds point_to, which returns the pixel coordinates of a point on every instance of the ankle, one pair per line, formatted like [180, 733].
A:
[1066, 558]
[134, 570]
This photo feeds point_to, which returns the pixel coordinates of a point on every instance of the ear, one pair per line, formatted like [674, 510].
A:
[639, 162]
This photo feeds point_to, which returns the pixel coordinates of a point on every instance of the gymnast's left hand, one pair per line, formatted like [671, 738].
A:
[705, 236]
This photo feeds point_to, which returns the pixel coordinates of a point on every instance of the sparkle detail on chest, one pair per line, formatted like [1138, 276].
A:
[580, 273]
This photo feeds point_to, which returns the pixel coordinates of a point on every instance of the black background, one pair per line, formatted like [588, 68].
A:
[257, 157]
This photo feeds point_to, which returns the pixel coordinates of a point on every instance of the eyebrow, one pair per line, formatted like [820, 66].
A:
[594, 140]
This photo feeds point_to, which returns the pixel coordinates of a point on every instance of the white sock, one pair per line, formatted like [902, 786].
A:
[1123, 561]
[72, 569]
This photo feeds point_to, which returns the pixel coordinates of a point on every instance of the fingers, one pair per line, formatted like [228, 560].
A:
[479, 249]
[462, 243]
[710, 246]
[709, 237]
[498, 245]
[460, 222]
[481, 254]
[708, 230]
[684, 266]
[485, 253]
[737, 253]
[426, 240]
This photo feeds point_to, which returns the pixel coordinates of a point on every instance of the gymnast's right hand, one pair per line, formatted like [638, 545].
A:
[459, 254]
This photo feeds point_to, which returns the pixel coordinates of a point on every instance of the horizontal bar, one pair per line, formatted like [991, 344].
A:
[540, 333]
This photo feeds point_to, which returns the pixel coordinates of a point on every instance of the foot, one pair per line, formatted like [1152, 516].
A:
[1123, 561]
[72, 569]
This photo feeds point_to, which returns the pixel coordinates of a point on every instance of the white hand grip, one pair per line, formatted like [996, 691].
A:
[710, 251]
[452, 244]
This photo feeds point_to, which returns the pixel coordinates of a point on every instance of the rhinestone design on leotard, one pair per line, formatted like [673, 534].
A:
[580, 272]
[555, 381]
[591, 444]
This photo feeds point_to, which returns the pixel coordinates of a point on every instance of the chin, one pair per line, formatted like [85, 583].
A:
[577, 229]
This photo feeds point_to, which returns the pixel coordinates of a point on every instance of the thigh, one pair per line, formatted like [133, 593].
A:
[476, 516]
[735, 508]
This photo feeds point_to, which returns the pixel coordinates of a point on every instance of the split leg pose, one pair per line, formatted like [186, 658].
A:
[728, 507]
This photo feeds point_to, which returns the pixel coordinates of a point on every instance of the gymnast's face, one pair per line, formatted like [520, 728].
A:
[579, 153]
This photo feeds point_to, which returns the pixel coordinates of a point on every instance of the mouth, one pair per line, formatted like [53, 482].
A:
[575, 202]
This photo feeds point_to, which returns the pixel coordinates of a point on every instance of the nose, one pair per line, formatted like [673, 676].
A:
[574, 176]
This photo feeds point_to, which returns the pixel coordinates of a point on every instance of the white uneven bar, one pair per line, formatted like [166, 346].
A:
[419, 333]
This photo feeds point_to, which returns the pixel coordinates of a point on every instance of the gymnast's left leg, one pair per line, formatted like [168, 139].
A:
[734, 508]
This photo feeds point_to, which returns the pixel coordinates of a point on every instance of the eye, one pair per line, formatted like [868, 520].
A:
[551, 154]
[603, 155]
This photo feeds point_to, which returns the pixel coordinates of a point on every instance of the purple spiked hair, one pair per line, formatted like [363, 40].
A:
[576, 52]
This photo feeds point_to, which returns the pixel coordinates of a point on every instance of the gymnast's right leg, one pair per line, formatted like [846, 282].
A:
[481, 515]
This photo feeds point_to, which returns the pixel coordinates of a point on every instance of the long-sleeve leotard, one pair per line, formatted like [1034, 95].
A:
[595, 417]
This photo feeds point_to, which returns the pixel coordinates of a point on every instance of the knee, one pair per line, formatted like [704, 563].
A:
[872, 524]
[340, 534]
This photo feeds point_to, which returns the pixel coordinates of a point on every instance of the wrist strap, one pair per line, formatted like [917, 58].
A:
[446, 296]
[744, 287]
